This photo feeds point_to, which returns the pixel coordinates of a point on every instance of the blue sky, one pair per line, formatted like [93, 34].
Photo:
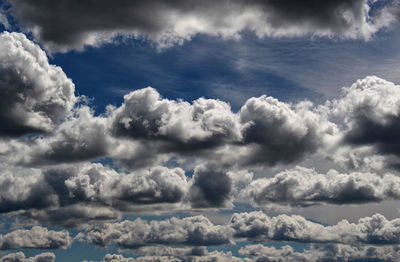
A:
[199, 131]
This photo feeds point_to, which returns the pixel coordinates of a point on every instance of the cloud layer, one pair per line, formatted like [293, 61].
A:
[61, 26]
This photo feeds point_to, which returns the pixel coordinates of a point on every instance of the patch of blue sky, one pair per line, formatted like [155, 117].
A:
[231, 70]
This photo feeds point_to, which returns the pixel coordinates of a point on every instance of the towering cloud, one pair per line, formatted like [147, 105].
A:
[63, 25]
[371, 108]
[35, 94]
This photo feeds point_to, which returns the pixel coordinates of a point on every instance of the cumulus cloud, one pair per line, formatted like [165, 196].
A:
[375, 230]
[371, 110]
[197, 230]
[210, 187]
[303, 186]
[264, 131]
[61, 29]
[35, 94]
[70, 195]
[206, 123]
[20, 257]
[281, 133]
[330, 252]
[37, 237]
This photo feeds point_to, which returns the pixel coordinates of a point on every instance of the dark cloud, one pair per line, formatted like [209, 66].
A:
[210, 188]
[371, 110]
[303, 186]
[20, 257]
[65, 25]
[35, 94]
[37, 237]
[280, 133]
[197, 230]
[73, 195]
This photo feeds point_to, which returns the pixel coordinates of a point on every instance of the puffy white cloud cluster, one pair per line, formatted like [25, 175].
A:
[197, 230]
[20, 257]
[304, 186]
[369, 230]
[37, 237]
[330, 252]
[173, 22]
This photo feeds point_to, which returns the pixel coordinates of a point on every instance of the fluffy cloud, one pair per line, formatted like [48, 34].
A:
[330, 252]
[35, 94]
[303, 186]
[36, 237]
[264, 131]
[281, 133]
[20, 257]
[73, 194]
[206, 123]
[210, 187]
[371, 110]
[197, 230]
[369, 230]
[61, 29]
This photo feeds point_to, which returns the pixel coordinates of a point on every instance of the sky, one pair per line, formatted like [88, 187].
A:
[199, 131]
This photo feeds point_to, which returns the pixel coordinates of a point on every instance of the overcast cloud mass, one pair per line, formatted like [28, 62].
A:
[149, 176]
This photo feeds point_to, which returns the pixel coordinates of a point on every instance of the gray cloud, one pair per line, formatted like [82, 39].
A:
[61, 26]
[20, 257]
[371, 108]
[37, 237]
[319, 253]
[72, 195]
[281, 133]
[264, 131]
[376, 230]
[210, 187]
[35, 94]
[197, 230]
[303, 186]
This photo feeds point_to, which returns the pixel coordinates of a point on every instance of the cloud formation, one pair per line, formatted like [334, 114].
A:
[257, 226]
[73, 194]
[61, 26]
[36, 95]
[197, 230]
[37, 237]
[20, 257]
[303, 186]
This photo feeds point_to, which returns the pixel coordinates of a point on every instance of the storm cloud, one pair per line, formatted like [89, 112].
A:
[63, 25]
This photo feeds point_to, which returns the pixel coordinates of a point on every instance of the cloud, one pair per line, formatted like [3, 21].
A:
[71, 195]
[371, 110]
[303, 186]
[37, 237]
[20, 257]
[257, 226]
[264, 131]
[36, 96]
[330, 252]
[281, 133]
[210, 188]
[204, 124]
[197, 230]
[61, 29]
